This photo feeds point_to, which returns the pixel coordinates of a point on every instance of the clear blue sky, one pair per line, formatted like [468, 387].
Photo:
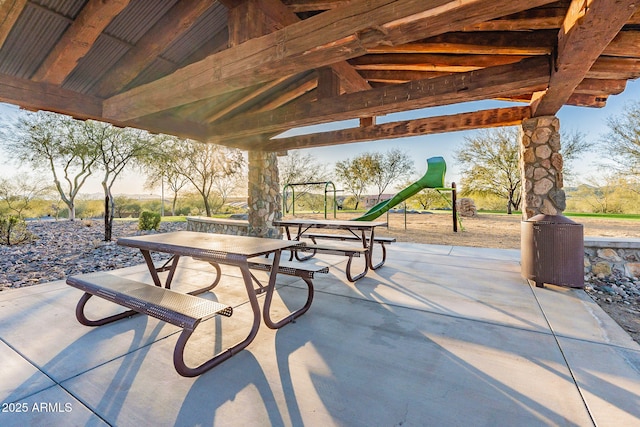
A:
[590, 121]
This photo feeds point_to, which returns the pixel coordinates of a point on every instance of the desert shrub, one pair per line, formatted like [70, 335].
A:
[13, 230]
[149, 221]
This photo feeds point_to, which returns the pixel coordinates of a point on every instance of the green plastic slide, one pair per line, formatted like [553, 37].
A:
[433, 178]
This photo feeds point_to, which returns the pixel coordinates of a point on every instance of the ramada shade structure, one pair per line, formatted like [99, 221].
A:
[238, 72]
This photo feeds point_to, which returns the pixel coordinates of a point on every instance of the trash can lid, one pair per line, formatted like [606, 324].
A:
[551, 219]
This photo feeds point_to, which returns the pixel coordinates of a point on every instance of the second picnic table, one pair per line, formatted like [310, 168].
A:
[361, 231]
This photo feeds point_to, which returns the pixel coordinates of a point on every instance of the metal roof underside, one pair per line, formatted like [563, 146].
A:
[239, 72]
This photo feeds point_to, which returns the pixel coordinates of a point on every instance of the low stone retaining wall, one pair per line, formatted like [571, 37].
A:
[605, 257]
[237, 227]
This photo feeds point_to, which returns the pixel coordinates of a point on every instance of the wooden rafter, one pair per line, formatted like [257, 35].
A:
[535, 19]
[625, 44]
[479, 43]
[10, 11]
[615, 68]
[277, 12]
[247, 97]
[173, 24]
[322, 40]
[290, 93]
[78, 40]
[313, 5]
[431, 125]
[35, 95]
[587, 30]
[432, 62]
[474, 85]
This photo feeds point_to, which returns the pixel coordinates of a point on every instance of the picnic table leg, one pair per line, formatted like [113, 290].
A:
[178, 352]
[269, 297]
[87, 322]
[211, 286]
[372, 243]
[352, 278]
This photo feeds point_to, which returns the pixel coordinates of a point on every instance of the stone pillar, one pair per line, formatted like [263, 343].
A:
[264, 201]
[541, 167]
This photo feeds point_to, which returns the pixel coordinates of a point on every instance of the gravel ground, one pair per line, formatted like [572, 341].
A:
[64, 248]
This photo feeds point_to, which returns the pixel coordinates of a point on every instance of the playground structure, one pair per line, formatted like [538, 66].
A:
[293, 195]
[432, 179]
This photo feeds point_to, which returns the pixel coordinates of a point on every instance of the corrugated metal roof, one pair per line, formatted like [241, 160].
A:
[24, 51]
[137, 18]
[158, 68]
[104, 53]
[68, 8]
[207, 26]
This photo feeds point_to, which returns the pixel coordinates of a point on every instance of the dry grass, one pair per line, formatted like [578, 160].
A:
[484, 230]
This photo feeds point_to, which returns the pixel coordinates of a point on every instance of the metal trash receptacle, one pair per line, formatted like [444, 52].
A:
[552, 251]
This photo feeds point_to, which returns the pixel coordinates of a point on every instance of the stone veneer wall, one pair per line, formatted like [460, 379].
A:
[205, 224]
[605, 257]
[265, 203]
[541, 166]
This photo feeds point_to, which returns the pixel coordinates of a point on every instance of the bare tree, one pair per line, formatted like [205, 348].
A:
[296, 168]
[392, 166]
[53, 142]
[160, 170]
[117, 148]
[622, 143]
[205, 166]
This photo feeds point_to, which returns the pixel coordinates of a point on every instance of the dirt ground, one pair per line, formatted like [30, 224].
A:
[503, 231]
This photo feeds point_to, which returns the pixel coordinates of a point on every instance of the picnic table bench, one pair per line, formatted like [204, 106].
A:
[187, 310]
[359, 231]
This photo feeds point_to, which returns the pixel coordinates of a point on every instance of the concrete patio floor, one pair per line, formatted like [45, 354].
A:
[439, 336]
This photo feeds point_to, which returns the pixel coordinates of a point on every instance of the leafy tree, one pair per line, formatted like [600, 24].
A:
[391, 166]
[53, 142]
[490, 162]
[622, 143]
[357, 174]
[19, 192]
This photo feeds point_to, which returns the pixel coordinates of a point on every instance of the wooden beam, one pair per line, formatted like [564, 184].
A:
[400, 76]
[609, 67]
[480, 43]
[528, 74]
[586, 32]
[314, 5]
[534, 19]
[431, 62]
[178, 20]
[247, 97]
[36, 96]
[407, 128]
[321, 40]
[286, 95]
[351, 81]
[78, 40]
[328, 83]
[585, 100]
[600, 87]
[10, 11]
[625, 44]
